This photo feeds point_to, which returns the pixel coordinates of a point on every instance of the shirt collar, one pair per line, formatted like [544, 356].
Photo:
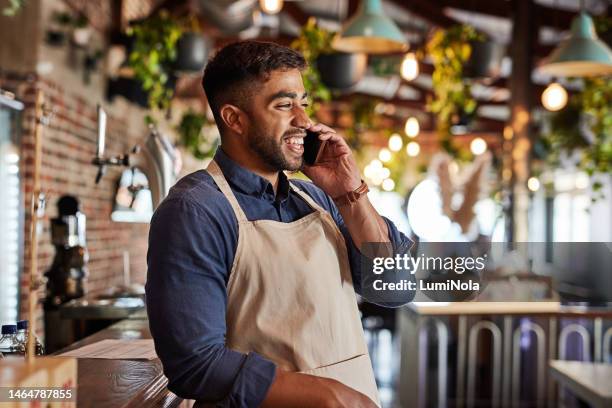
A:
[247, 182]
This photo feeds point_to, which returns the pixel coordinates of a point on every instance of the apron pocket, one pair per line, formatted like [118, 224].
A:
[355, 372]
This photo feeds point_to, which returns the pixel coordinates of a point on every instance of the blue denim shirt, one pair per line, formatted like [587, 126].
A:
[192, 242]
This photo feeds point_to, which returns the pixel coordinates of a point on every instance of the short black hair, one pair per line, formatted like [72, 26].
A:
[230, 74]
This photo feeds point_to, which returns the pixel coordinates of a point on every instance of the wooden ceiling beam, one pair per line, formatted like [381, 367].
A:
[548, 16]
[295, 12]
[427, 11]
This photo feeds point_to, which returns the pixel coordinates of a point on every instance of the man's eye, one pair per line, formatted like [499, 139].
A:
[306, 104]
[285, 105]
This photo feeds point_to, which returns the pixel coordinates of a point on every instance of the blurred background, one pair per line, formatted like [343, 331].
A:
[472, 121]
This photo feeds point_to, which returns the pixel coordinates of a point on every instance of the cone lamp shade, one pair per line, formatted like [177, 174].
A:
[583, 54]
[370, 31]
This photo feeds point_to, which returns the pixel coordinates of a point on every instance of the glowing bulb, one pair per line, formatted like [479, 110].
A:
[533, 184]
[478, 146]
[582, 181]
[412, 127]
[554, 97]
[376, 164]
[410, 67]
[271, 6]
[395, 142]
[384, 155]
[413, 149]
[388, 184]
[385, 173]
[368, 171]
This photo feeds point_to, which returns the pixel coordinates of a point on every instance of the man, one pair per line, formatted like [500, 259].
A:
[251, 279]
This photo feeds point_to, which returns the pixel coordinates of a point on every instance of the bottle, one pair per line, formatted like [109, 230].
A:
[9, 345]
[22, 337]
[22, 331]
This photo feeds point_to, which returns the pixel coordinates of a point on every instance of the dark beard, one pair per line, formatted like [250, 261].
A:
[271, 151]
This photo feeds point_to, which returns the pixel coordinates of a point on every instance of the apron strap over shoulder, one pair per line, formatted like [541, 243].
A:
[217, 175]
[306, 197]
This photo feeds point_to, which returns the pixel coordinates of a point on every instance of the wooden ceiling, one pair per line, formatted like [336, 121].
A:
[434, 13]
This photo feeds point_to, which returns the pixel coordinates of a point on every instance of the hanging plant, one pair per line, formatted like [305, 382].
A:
[312, 42]
[452, 99]
[585, 125]
[198, 135]
[153, 55]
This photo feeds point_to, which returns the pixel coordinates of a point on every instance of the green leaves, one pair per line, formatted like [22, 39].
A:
[449, 50]
[312, 42]
[593, 107]
[153, 54]
[201, 140]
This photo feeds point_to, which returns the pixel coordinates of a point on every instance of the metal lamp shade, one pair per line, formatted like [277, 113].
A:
[370, 31]
[582, 54]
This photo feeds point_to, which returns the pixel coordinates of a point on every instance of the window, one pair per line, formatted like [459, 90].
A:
[11, 211]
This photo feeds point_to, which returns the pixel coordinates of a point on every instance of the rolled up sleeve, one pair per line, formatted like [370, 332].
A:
[189, 261]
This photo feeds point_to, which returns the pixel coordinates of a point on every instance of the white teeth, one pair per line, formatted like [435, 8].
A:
[295, 140]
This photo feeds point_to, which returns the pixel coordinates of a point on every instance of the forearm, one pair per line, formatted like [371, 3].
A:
[294, 390]
[297, 390]
[364, 223]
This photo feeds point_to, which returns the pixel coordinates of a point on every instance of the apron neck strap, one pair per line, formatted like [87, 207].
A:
[215, 171]
[306, 198]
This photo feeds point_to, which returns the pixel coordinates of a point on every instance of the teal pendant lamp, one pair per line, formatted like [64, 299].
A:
[583, 54]
[370, 31]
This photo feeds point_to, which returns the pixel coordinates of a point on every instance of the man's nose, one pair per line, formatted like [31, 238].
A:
[301, 119]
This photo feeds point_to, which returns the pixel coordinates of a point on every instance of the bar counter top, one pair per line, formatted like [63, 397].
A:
[549, 308]
[122, 383]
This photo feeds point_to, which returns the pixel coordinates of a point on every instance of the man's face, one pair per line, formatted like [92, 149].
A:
[277, 121]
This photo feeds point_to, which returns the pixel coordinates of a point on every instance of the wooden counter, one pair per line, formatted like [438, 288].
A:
[504, 308]
[122, 383]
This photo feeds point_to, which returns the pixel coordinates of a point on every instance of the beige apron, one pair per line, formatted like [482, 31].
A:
[291, 297]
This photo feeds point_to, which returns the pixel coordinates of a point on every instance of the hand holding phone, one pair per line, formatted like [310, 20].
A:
[313, 147]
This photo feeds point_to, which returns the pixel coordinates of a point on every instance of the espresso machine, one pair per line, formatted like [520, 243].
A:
[67, 276]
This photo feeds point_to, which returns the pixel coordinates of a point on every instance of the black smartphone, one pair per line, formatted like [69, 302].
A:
[313, 147]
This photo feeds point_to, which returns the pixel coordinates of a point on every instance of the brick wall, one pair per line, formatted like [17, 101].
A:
[69, 143]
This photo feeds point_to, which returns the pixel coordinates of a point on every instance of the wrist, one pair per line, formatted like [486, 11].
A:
[352, 196]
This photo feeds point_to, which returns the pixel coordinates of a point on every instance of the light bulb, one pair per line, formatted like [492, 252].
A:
[582, 181]
[388, 184]
[385, 173]
[410, 67]
[413, 149]
[376, 164]
[533, 184]
[478, 146]
[412, 127]
[395, 142]
[271, 6]
[384, 155]
[554, 97]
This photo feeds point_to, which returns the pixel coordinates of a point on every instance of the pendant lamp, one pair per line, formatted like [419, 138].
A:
[583, 54]
[370, 31]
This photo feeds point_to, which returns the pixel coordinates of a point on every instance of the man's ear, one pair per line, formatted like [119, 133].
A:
[234, 118]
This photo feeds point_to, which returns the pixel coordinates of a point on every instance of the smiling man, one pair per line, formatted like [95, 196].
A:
[252, 277]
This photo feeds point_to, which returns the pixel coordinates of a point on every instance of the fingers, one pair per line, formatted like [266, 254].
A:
[332, 138]
[321, 128]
